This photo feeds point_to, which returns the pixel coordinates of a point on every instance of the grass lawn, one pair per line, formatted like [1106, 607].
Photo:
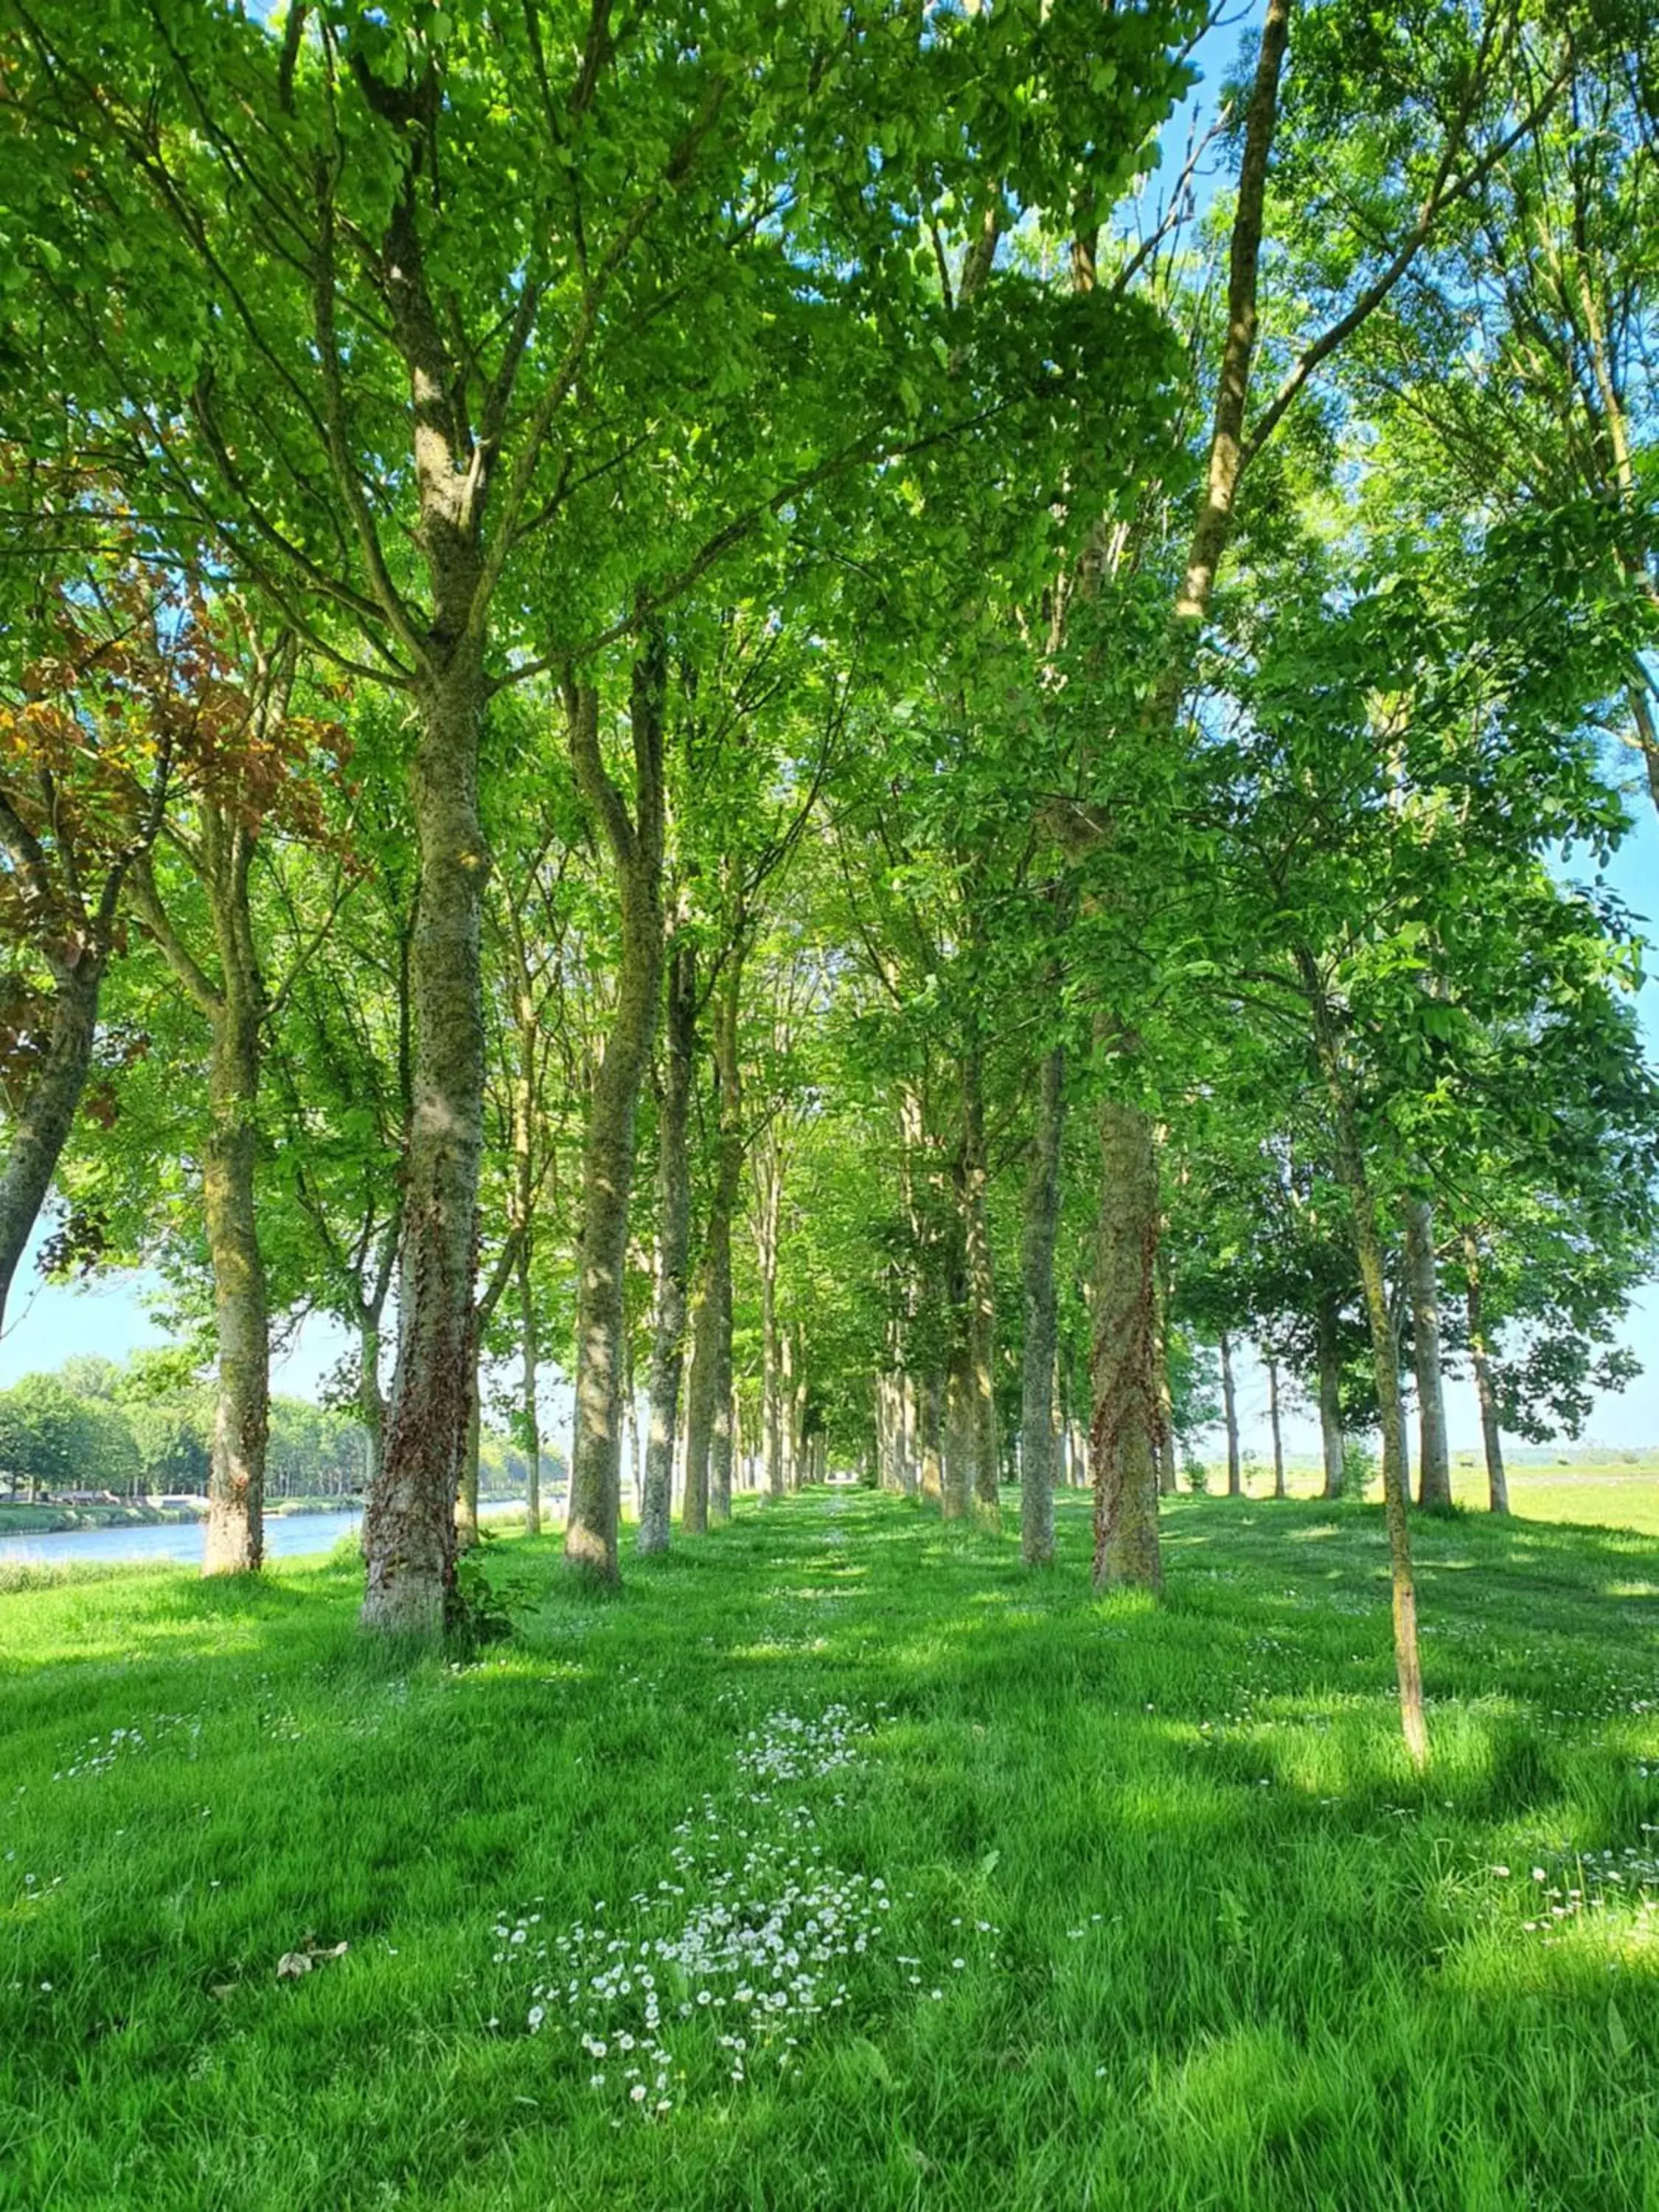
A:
[1604, 1494]
[882, 1873]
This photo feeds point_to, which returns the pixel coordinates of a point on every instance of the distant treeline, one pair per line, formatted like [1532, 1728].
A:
[145, 1428]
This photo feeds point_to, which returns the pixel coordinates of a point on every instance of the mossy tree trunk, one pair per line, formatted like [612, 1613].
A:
[673, 1245]
[636, 843]
[1038, 1428]
[981, 1426]
[1126, 1432]
[229, 988]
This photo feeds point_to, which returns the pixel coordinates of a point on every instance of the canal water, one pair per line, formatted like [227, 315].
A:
[287, 1535]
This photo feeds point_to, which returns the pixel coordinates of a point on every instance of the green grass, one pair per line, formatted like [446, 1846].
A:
[1235, 1956]
[1620, 1491]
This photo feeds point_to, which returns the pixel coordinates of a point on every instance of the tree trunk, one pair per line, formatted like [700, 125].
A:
[1434, 1457]
[708, 1431]
[1229, 1410]
[529, 1412]
[1037, 1432]
[768, 1217]
[1330, 1396]
[1385, 1353]
[371, 1401]
[674, 1247]
[982, 1413]
[42, 1128]
[636, 847]
[932, 1456]
[1127, 1432]
[1497, 1487]
[409, 1527]
[1166, 1449]
[466, 1490]
[959, 1499]
[1280, 1490]
[234, 1536]
[1407, 1665]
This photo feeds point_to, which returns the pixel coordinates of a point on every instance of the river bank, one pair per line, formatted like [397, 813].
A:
[50, 1519]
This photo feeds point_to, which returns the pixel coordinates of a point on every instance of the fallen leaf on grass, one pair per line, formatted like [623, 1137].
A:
[293, 1964]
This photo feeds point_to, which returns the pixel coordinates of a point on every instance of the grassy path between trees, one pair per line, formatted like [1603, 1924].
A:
[882, 1875]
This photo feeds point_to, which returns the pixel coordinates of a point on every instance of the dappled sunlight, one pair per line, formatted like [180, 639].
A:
[1160, 1869]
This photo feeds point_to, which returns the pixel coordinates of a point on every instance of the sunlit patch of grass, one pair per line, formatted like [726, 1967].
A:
[1218, 1945]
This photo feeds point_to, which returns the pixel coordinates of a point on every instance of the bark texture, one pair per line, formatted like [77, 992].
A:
[229, 990]
[728, 1182]
[637, 848]
[409, 1529]
[1038, 1431]
[1385, 1353]
[43, 1125]
[1497, 1487]
[1230, 1412]
[1330, 1396]
[674, 1247]
[1273, 1418]
[233, 1541]
[1126, 1434]
[980, 1413]
[1434, 1456]
[769, 1170]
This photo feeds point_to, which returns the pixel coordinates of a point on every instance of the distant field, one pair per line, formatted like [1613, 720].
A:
[1614, 1492]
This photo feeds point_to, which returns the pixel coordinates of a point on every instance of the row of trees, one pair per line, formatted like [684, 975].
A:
[714, 687]
[144, 1429]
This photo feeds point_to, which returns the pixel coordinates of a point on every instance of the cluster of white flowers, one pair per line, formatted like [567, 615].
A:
[1624, 1883]
[98, 1754]
[786, 1748]
[750, 1939]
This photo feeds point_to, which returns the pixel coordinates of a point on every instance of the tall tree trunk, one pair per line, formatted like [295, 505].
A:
[466, 1490]
[636, 847]
[1497, 1488]
[1166, 1449]
[673, 1247]
[1037, 1433]
[234, 1004]
[371, 1400]
[529, 1412]
[1434, 1457]
[1230, 1412]
[981, 1421]
[1126, 1431]
[42, 1128]
[932, 1455]
[1278, 1440]
[1330, 1396]
[409, 1527]
[234, 1536]
[700, 1401]
[957, 1501]
[1385, 1353]
[767, 1220]
[1126, 1434]
[711, 1432]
